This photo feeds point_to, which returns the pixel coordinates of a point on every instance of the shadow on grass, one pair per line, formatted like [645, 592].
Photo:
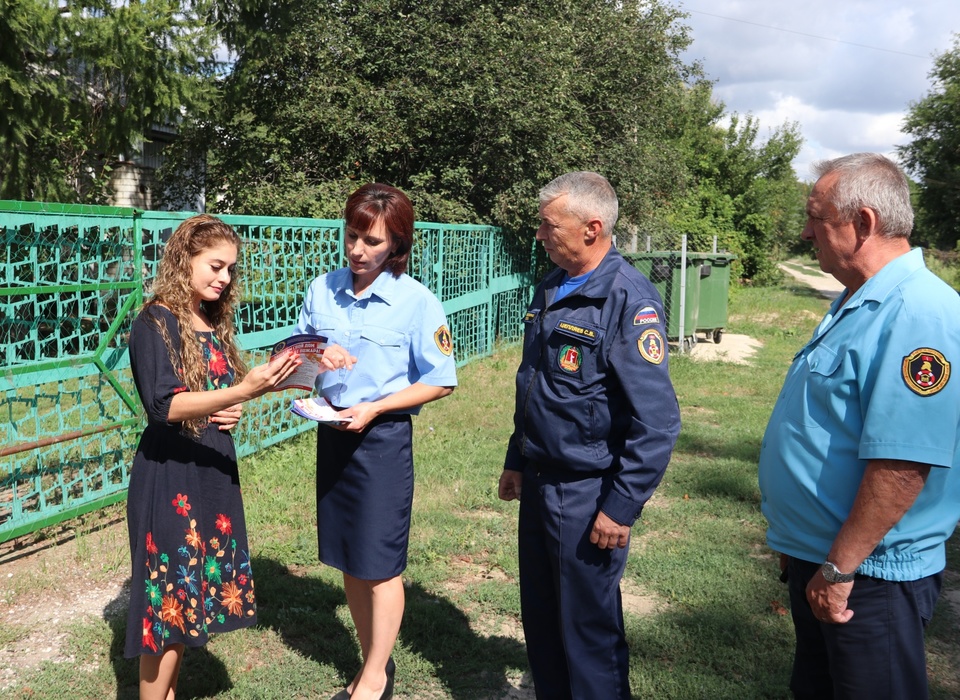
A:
[722, 652]
[469, 665]
[303, 612]
[202, 674]
[705, 443]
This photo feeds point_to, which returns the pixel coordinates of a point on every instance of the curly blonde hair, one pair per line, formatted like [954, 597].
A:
[173, 289]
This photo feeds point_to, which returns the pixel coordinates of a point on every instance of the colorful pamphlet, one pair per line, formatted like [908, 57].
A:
[310, 348]
[317, 408]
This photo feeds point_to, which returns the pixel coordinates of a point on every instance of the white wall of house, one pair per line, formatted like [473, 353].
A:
[133, 183]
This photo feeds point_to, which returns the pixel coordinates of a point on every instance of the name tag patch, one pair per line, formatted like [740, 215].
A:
[651, 346]
[646, 316]
[925, 371]
[529, 316]
[578, 331]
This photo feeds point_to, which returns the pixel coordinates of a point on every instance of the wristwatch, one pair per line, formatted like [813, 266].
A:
[833, 575]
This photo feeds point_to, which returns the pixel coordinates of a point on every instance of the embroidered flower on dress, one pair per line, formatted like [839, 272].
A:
[181, 504]
[148, 635]
[231, 596]
[223, 524]
[212, 570]
[218, 363]
[172, 612]
[153, 594]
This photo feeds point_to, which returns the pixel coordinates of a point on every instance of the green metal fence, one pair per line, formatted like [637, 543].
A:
[72, 278]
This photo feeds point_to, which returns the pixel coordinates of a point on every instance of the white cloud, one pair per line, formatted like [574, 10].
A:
[845, 71]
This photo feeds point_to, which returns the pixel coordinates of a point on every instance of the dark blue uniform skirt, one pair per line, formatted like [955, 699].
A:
[364, 497]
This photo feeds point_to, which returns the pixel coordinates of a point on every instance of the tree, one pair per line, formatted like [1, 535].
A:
[740, 189]
[81, 83]
[934, 153]
[470, 107]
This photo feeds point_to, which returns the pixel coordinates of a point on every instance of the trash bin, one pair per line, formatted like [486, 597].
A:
[663, 269]
[714, 292]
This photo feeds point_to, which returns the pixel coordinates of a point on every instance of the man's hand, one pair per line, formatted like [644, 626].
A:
[607, 533]
[511, 483]
[888, 489]
[828, 601]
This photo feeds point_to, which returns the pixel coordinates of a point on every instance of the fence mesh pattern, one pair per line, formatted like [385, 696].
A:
[73, 278]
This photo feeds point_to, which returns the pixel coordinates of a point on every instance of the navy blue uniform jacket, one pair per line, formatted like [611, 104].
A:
[594, 397]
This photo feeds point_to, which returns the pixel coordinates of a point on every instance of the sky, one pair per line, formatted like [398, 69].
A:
[846, 71]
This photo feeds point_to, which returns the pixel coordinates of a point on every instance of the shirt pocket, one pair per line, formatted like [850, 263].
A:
[387, 342]
[823, 393]
[327, 326]
[572, 352]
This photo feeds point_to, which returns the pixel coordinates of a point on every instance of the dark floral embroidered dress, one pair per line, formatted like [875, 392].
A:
[188, 537]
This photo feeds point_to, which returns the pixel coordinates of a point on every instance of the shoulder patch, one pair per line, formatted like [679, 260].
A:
[529, 316]
[646, 316]
[443, 340]
[651, 346]
[925, 371]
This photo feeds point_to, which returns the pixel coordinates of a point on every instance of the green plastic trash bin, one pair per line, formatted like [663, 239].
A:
[663, 269]
[714, 293]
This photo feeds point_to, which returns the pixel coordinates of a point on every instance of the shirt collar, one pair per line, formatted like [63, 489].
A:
[874, 289]
[887, 279]
[599, 283]
[384, 287]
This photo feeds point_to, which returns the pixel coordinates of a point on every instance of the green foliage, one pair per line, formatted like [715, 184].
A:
[470, 107]
[945, 265]
[934, 153]
[741, 190]
[81, 83]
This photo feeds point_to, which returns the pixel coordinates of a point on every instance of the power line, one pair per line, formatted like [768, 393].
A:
[813, 36]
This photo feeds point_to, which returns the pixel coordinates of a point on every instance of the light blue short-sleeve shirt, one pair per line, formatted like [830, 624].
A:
[397, 330]
[875, 382]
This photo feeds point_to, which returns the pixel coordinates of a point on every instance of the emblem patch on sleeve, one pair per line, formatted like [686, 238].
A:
[443, 339]
[570, 358]
[646, 316]
[925, 371]
[651, 346]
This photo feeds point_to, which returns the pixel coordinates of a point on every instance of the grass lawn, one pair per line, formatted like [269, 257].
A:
[706, 614]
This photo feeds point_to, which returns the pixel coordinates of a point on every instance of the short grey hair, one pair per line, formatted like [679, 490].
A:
[873, 181]
[589, 196]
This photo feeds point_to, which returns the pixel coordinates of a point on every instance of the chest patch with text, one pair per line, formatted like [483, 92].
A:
[576, 329]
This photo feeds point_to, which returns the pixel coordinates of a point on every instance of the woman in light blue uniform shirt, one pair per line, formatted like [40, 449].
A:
[397, 331]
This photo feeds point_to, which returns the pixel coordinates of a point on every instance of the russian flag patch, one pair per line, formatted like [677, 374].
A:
[646, 316]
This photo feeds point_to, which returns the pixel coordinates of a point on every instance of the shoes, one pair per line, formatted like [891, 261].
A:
[387, 693]
[391, 669]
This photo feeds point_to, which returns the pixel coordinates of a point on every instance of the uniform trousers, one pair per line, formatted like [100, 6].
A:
[570, 591]
[878, 654]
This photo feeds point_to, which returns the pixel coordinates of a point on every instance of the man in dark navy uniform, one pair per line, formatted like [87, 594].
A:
[595, 423]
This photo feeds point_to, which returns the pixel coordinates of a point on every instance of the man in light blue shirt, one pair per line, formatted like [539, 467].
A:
[860, 464]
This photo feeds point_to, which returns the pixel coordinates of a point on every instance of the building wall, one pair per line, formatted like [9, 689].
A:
[132, 186]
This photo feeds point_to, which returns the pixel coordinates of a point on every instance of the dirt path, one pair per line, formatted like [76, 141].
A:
[825, 284]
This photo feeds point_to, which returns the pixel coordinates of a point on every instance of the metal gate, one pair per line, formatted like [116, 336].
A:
[72, 278]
